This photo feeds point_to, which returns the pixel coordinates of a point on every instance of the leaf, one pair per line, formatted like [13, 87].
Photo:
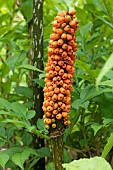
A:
[18, 109]
[107, 83]
[40, 124]
[25, 91]
[40, 82]
[96, 127]
[44, 151]
[85, 29]
[105, 21]
[30, 114]
[27, 138]
[5, 104]
[108, 146]
[27, 8]
[96, 163]
[50, 166]
[99, 4]
[3, 159]
[30, 67]
[19, 158]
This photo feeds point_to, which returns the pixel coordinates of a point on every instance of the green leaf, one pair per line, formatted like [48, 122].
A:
[27, 9]
[3, 159]
[107, 83]
[96, 163]
[108, 146]
[105, 21]
[50, 166]
[39, 81]
[99, 4]
[40, 124]
[25, 91]
[27, 138]
[44, 151]
[85, 29]
[19, 158]
[30, 67]
[18, 109]
[5, 104]
[96, 127]
[30, 114]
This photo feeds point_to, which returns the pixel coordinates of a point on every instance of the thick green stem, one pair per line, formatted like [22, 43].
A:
[57, 150]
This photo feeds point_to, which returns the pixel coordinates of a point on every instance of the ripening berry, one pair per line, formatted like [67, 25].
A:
[60, 71]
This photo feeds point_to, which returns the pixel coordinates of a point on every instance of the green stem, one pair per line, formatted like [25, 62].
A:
[57, 150]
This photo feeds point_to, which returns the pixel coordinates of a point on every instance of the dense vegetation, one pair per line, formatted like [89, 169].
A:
[91, 131]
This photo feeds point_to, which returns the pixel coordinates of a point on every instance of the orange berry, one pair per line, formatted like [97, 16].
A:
[67, 81]
[68, 107]
[55, 106]
[48, 114]
[63, 36]
[64, 76]
[64, 114]
[61, 20]
[60, 42]
[59, 31]
[72, 12]
[67, 18]
[53, 125]
[62, 90]
[47, 127]
[55, 112]
[61, 82]
[49, 98]
[60, 51]
[54, 97]
[50, 51]
[56, 51]
[59, 116]
[64, 54]
[63, 25]
[57, 57]
[53, 120]
[65, 86]
[60, 63]
[51, 73]
[50, 88]
[60, 96]
[54, 44]
[61, 72]
[54, 30]
[63, 107]
[51, 93]
[67, 28]
[46, 103]
[56, 24]
[67, 92]
[64, 46]
[69, 37]
[60, 103]
[47, 121]
[57, 68]
[51, 103]
[49, 109]
[58, 78]
[55, 73]
[54, 36]
[56, 90]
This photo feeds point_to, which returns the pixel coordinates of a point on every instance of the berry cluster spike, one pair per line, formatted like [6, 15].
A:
[60, 70]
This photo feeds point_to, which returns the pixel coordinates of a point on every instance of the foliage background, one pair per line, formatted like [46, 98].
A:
[90, 133]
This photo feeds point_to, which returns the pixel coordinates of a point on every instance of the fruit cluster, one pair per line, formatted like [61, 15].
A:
[60, 70]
